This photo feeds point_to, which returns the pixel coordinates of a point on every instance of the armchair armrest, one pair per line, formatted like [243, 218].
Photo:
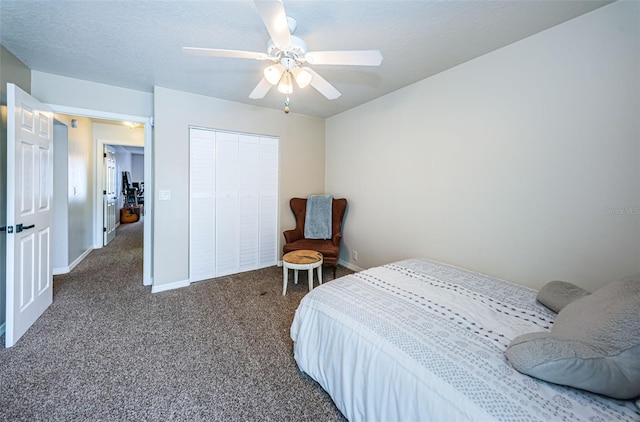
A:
[292, 235]
[336, 239]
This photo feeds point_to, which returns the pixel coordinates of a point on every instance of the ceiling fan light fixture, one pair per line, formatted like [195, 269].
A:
[302, 77]
[286, 84]
[273, 73]
[288, 63]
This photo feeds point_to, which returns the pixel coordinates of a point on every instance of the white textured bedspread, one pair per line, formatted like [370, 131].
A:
[418, 340]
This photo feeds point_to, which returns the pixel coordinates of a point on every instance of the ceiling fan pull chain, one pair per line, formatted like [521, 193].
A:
[286, 106]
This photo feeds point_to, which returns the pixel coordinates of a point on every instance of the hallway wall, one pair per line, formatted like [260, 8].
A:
[80, 186]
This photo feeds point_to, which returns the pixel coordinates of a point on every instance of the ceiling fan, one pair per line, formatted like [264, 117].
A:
[290, 56]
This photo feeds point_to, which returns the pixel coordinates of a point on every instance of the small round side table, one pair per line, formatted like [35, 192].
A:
[301, 260]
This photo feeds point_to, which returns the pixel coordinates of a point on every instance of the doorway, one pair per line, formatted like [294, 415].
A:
[96, 178]
[123, 182]
[122, 138]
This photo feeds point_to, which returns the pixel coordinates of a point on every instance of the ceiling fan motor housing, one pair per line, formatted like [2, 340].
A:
[295, 51]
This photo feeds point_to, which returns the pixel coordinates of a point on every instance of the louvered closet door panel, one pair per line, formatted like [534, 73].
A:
[248, 202]
[268, 208]
[202, 205]
[227, 233]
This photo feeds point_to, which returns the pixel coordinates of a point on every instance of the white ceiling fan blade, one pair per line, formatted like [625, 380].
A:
[261, 89]
[275, 19]
[321, 84]
[357, 58]
[218, 52]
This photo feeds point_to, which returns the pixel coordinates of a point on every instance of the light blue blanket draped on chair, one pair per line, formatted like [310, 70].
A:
[317, 222]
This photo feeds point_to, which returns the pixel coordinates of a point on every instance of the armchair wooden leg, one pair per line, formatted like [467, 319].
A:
[334, 270]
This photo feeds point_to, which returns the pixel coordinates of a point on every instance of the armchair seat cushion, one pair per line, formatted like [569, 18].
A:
[328, 250]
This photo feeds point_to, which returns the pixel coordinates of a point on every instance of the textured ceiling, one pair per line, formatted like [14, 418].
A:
[137, 44]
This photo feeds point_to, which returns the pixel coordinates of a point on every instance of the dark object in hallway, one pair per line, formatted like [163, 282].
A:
[129, 214]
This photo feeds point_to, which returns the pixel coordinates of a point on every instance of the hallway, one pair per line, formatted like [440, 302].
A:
[120, 262]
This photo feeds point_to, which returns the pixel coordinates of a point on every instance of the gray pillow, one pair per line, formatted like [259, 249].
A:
[594, 344]
[555, 295]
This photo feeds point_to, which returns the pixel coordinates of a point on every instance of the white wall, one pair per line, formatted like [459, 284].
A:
[301, 160]
[64, 91]
[60, 214]
[119, 134]
[80, 188]
[522, 164]
[137, 167]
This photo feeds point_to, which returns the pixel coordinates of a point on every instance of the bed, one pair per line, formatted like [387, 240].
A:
[419, 340]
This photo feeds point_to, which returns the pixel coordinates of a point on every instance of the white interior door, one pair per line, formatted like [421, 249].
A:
[109, 195]
[29, 202]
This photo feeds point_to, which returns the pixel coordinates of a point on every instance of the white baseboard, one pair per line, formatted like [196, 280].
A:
[59, 271]
[341, 262]
[80, 258]
[350, 266]
[65, 270]
[170, 286]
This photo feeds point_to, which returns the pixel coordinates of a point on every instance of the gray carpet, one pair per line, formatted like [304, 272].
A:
[108, 349]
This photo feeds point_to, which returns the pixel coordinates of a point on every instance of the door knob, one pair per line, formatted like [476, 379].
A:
[20, 227]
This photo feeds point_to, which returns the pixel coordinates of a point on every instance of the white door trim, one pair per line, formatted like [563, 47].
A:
[148, 176]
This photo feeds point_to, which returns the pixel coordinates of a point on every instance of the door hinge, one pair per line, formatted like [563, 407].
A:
[104, 192]
[105, 155]
[104, 229]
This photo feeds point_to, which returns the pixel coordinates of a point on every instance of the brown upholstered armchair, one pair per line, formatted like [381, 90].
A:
[330, 248]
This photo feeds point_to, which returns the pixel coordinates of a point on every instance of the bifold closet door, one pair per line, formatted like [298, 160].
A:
[233, 203]
[248, 201]
[227, 227]
[268, 254]
[202, 205]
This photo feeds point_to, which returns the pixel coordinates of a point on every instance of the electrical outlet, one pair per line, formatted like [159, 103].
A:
[354, 255]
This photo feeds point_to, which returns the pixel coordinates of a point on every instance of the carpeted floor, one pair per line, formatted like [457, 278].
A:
[108, 349]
